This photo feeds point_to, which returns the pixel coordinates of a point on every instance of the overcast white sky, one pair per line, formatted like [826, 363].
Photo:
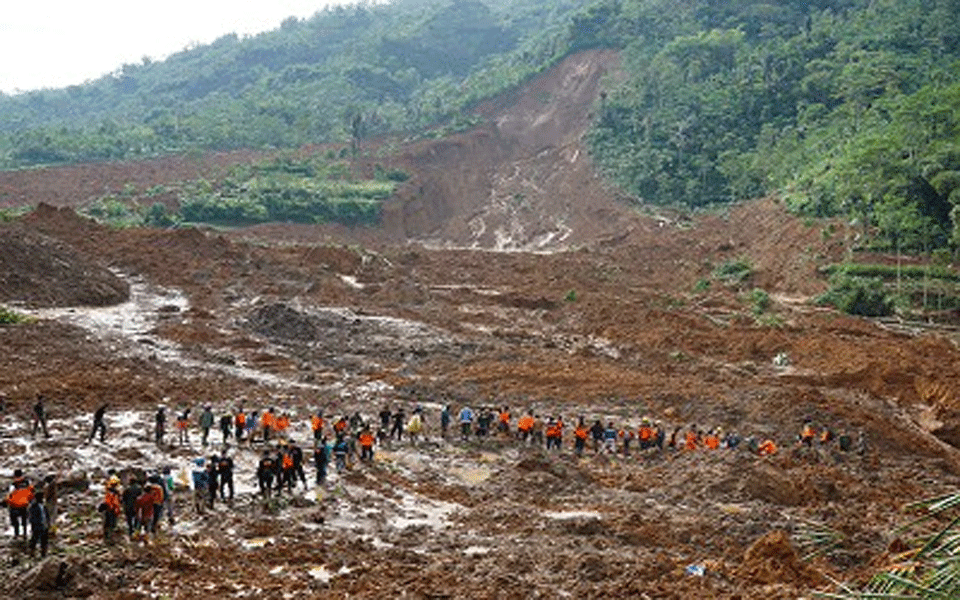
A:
[56, 43]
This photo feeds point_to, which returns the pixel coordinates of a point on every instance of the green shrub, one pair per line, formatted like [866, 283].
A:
[855, 295]
[734, 271]
[759, 300]
[10, 317]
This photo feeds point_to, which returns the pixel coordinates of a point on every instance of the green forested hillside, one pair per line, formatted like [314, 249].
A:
[844, 106]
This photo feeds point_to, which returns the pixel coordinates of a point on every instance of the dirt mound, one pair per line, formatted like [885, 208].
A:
[40, 271]
[280, 321]
[773, 559]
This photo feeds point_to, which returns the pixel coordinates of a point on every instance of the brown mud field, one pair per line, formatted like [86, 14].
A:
[572, 303]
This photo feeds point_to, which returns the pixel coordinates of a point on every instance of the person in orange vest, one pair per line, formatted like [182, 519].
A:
[110, 507]
[553, 434]
[580, 435]
[285, 461]
[525, 426]
[711, 440]
[645, 434]
[808, 433]
[767, 448]
[316, 424]
[183, 426]
[267, 423]
[282, 424]
[18, 501]
[504, 421]
[340, 427]
[691, 439]
[240, 424]
[366, 444]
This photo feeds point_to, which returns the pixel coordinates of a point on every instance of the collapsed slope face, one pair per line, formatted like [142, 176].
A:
[522, 181]
[41, 271]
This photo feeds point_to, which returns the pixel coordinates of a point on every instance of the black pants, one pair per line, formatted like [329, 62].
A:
[18, 517]
[42, 535]
[266, 485]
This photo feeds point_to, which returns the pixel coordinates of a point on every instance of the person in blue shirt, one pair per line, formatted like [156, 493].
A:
[466, 422]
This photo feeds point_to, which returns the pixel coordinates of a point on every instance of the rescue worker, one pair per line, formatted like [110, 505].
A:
[340, 427]
[201, 483]
[225, 471]
[385, 415]
[18, 502]
[265, 472]
[166, 480]
[626, 437]
[285, 476]
[596, 433]
[212, 480]
[503, 426]
[226, 426]
[610, 438]
[296, 453]
[711, 440]
[316, 424]
[321, 459]
[49, 487]
[205, 422]
[580, 435]
[536, 432]
[807, 433]
[444, 421]
[645, 434]
[267, 423]
[525, 427]
[240, 425]
[128, 498]
[691, 439]
[366, 445]
[160, 425]
[282, 424]
[340, 450]
[659, 435]
[39, 417]
[158, 493]
[183, 427]
[553, 434]
[399, 420]
[466, 422]
[414, 426]
[39, 519]
[144, 510]
[110, 507]
[98, 424]
[251, 426]
[767, 448]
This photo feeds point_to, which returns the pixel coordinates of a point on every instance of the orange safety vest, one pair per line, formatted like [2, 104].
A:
[316, 423]
[807, 433]
[182, 423]
[287, 461]
[712, 442]
[645, 433]
[112, 500]
[267, 420]
[366, 439]
[340, 426]
[525, 423]
[581, 432]
[20, 497]
[691, 441]
[241, 419]
[505, 418]
[283, 422]
[767, 448]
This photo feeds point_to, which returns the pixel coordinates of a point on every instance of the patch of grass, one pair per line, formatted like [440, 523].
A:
[10, 317]
[734, 271]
